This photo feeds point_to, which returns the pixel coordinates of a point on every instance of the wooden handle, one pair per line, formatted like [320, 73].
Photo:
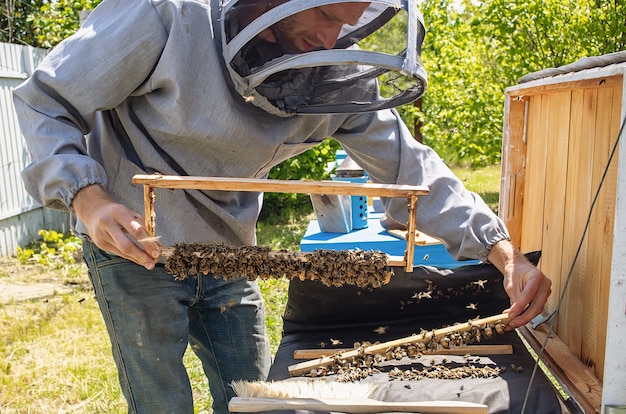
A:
[280, 186]
[253, 405]
[306, 367]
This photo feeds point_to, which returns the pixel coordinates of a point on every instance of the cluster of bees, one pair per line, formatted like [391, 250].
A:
[441, 371]
[475, 334]
[367, 364]
[367, 269]
[357, 369]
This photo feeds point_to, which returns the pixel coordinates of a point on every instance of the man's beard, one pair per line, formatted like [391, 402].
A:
[282, 32]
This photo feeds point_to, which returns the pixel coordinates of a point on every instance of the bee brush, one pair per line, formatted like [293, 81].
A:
[258, 396]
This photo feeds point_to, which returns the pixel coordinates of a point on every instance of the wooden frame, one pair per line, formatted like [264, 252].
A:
[558, 135]
[150, 182]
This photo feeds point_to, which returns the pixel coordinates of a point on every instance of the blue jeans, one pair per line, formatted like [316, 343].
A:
[150, 318]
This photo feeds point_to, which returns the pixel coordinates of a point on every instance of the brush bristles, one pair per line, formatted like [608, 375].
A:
[301, 389]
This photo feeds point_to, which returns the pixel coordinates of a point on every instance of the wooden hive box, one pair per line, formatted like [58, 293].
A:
[559, 133]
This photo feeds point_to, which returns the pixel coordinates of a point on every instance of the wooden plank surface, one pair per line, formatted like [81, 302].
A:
[421, 239]
[601, 237]
[557, 136]
[544, 89]
[361, 405]
[280, 186]
[578, 379]
[577, 206]
[535, 179]
[513, 166]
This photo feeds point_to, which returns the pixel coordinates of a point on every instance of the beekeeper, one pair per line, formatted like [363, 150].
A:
[231, 89]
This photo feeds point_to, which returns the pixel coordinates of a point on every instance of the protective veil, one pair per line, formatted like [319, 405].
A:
[375, 64]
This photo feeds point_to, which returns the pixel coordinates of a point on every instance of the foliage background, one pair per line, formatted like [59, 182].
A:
[473, 50]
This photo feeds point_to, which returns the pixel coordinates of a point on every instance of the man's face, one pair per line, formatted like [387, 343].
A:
[314, 28]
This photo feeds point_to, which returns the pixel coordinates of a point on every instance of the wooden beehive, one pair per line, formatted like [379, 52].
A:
[559, 133]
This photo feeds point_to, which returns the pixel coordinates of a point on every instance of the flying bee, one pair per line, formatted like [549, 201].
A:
[335, 342]
[472, 306]
[381, 330]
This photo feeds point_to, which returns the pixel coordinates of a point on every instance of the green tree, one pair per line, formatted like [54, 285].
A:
[14, 24]
[462, 107]
[473, 52]
[54, 21]
[538, 34]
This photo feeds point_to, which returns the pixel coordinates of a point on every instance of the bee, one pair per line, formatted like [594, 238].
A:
[477, 335]
[426, 295]
[335, 342]
[472, 306]
[480, 283]
[381, 330]
[517, 368]
[322, 344]
[445, 342]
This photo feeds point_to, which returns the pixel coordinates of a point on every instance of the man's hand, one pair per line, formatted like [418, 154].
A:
[526, 285]
[112, 226]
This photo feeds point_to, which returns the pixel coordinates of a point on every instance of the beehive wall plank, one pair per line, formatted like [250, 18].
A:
[601, 229]
[577, 203]
[534, 184]
[557, 118]
[513, 170]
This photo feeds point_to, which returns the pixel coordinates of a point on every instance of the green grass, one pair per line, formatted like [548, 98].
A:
[55, 354]
[484, 181]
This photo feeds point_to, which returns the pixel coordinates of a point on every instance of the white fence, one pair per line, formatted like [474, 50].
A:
[21, 217]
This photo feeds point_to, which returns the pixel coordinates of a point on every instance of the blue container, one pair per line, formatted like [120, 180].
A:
[375, 237]
[340, 155]
[359, 203]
